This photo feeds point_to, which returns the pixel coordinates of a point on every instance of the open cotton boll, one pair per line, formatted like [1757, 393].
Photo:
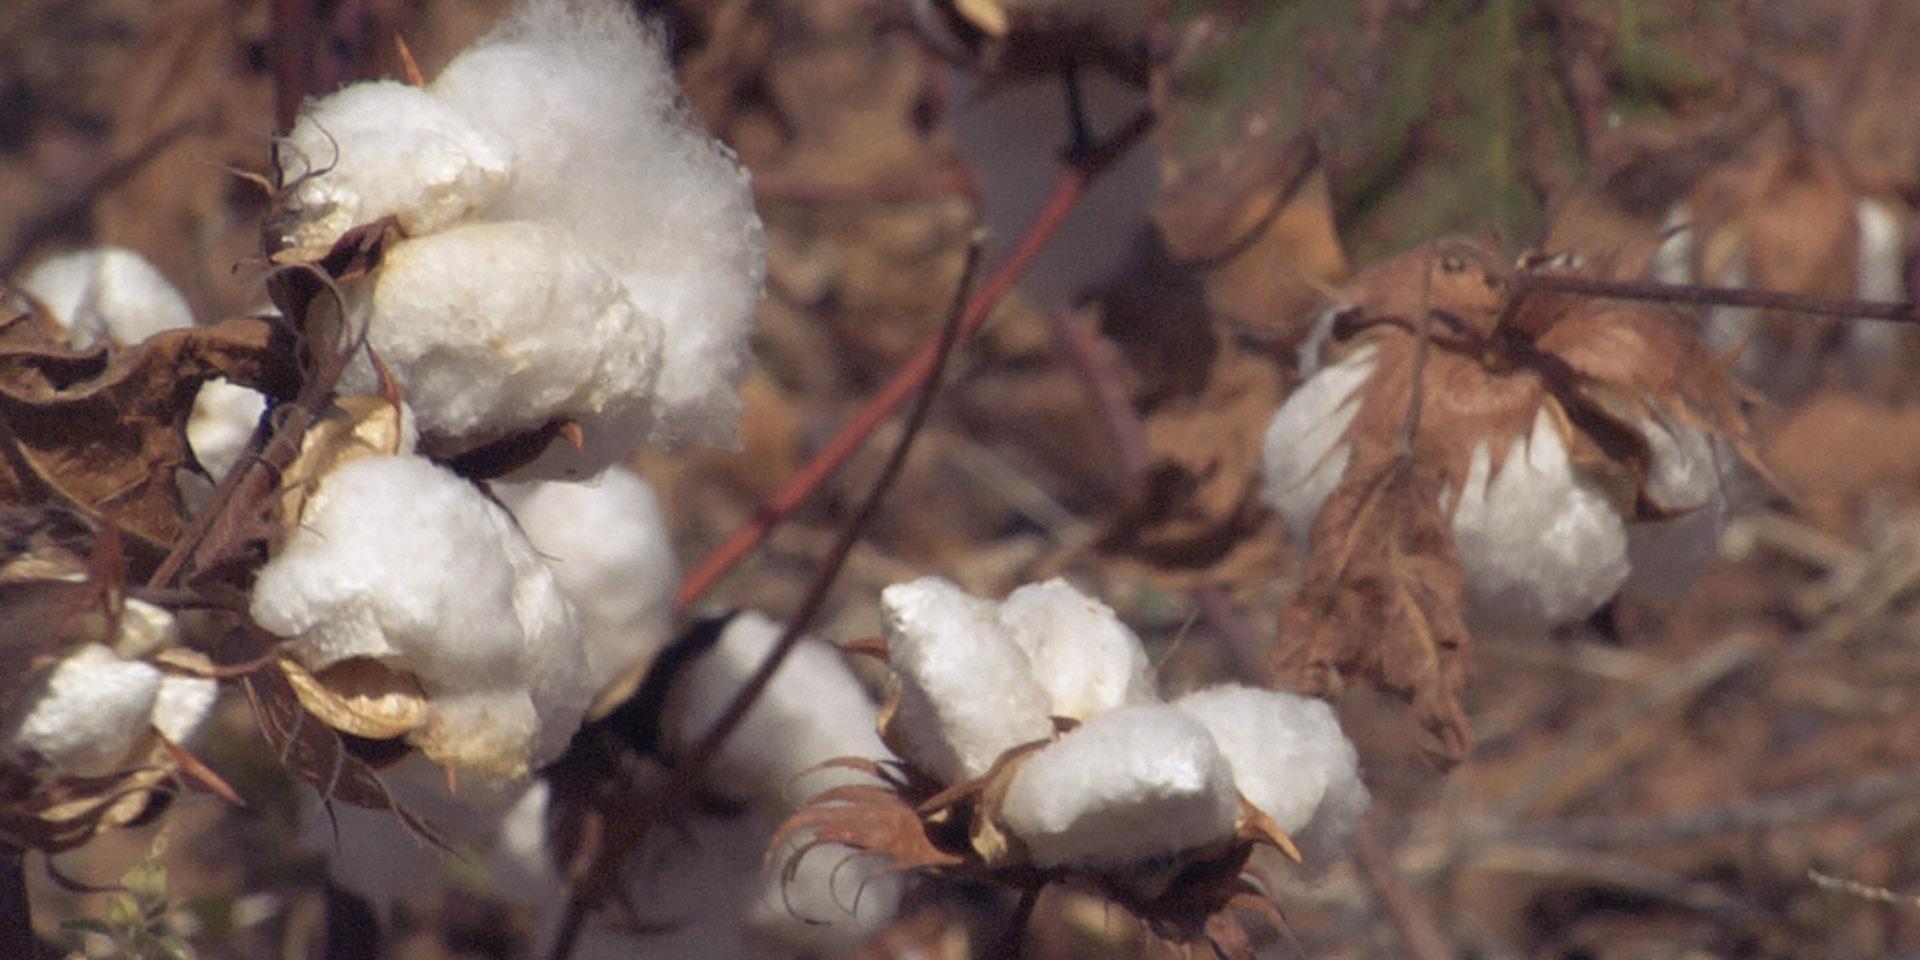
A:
[813, 711]
[386, 149]
[605, 149]
[967, 691]
[401, 561]
[1290, 759]
[89, 712]
[1303, 456]
[106, 293]
[1082, 655]
[608, 547]
[1688, 469]
[1541, 545]
[493, 328]
[223, 420]
[1138, 782]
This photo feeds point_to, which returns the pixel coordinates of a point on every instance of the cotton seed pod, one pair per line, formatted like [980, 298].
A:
[1305, 452]
[400, 561]
[1129, 785]
[381, 149]
[1082, 655]
[1290, 759]
[106, 293]
[967, 692]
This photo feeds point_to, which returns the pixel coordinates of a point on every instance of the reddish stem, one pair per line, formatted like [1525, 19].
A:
[1067, 187]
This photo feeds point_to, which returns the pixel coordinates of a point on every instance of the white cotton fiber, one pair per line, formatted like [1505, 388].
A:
[89, 712]
[1290, 759]
[814, 711]
[223, 420]
[183, 705]
[834, 901]
[106, 293]
[1304, 455]
[608, 547]
[1541, 545]
[1082, 655]
[399, 560]
[967, 691]
[605, 149]
[494, 328]
[386, 149]
[1138, 782]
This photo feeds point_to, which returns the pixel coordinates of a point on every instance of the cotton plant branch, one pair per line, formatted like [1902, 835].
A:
[1688, 295]
[601, 879]
[1068, 186]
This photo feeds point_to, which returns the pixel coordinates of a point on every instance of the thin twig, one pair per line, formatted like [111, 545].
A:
[1067, 187]
[1687, 295]
[1412, 917]
[686, 770]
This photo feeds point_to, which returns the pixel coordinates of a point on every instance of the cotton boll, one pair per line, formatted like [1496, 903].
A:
[493, 328]
[1139, 782]
[223, 420]
[386, 149]
[605, 149]
[1688, 469]
[1085, 658]
[967, 691]
[1305, 455]
[89, 712]
[1541, 545]
[833, 902]
[401, 561]
[1871, 345]
[1290, 759]
[183, 705]
[608, 547]
[107, 293]
[812, 712]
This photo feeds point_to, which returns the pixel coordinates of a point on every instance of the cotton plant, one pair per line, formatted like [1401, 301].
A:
[1033, 748]
[1559, 451]
[571, 249]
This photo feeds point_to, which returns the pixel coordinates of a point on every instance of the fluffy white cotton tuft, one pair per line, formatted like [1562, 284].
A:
[1290, 759]
[967, 691]
[815, 710]
[605, 149]
[224, 417]
[609, 548]
[1086, 659]
[383, 149]
[1541, 544]
[1688, 472]
[90, 713]
[401, 561]
[106, 293]
[1135, 783]
[1305, 455]
[499, 327]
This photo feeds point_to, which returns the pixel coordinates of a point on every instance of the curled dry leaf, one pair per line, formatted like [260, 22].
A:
[102, 433]
[1382, 595]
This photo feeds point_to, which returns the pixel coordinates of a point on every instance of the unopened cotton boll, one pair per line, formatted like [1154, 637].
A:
[1541, 544]
[399, 560]
[813, 711]
[500, 327]
[383, 149]
[605, 149]
[107, 293]
[1128, 785]
[967, 690]
[1305, 452]
[609, 548]
[1082, 655]
[1290, 759]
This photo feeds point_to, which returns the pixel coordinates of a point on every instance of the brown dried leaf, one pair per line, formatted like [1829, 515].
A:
[43, 811]
[102, 433]
[1381, 596]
